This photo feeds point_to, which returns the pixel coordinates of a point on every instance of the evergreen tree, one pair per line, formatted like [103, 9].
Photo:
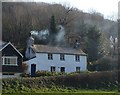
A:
[52, 25]
[93, 43]
[53, 30]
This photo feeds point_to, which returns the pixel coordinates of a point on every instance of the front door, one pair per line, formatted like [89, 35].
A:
[62, 69]
[33, 69]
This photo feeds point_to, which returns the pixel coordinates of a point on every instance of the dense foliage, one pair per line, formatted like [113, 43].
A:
[93, 44]
[96, 80]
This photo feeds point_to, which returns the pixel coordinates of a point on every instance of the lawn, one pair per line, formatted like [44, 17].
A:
[65, 92]
[70, 93]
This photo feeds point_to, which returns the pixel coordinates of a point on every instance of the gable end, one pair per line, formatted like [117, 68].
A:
[13, 48]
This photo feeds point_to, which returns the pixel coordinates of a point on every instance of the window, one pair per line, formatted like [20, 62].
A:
[50, 56]
[9, 60]
[62, 69]
[8, 74]
[77, 58]
[62, 57]
[77, 69]
[52, 69]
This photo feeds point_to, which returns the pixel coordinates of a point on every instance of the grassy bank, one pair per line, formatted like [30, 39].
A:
[73, 93]
[62, 91]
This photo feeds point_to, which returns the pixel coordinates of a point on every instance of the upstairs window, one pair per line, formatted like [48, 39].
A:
[9, 60]
[50, 56]
[77, 58]
[62, 57]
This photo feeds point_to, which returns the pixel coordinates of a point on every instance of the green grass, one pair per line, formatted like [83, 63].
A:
[75, 93]
[56, 90]
[60, 91]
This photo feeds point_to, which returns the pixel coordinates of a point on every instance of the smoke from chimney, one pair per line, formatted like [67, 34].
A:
[60, 34]
[41, 35]
[44, 35]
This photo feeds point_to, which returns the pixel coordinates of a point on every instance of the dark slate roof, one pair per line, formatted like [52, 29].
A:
[4, 44]
[55, 49]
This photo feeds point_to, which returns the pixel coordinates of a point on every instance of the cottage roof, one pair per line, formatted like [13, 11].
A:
[56, 49]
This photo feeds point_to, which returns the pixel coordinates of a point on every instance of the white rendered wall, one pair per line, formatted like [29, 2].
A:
[70, 64]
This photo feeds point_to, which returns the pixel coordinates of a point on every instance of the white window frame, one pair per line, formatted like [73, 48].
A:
[3, 60]
[62, 57]
[50, 56]
[63, 69]
[52, 68]
[77, 58]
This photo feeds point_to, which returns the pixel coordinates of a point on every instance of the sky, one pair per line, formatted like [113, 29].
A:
[109, 8]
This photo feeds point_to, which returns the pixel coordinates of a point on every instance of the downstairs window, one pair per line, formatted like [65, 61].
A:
[9, 60]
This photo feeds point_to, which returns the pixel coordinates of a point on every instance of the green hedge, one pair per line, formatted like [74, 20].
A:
[47, 73]
[96, 80]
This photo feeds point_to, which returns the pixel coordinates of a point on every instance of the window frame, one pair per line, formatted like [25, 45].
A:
[52, 68]
[77, 58]
[62, 57]
[10, 61]
[62, 70]
[50, 56]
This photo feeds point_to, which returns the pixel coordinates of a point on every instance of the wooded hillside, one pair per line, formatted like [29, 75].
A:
[18, 19]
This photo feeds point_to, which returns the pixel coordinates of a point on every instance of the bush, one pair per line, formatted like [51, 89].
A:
[96, 80]
[47, 73]
[106, 63]
[25, 75]
[43, 73]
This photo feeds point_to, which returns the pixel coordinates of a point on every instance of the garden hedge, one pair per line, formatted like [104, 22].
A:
[95, 80]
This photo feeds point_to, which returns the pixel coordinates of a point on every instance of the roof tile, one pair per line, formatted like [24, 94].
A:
[56, 49]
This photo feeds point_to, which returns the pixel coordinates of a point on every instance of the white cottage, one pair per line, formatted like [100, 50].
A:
[58, 59]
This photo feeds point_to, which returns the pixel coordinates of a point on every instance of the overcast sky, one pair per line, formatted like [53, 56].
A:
[109, 8]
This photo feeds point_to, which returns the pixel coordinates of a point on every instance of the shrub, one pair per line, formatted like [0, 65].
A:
[47, 73]
[43, 73]
[107, 63]
[96, 80]
[25, 75]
